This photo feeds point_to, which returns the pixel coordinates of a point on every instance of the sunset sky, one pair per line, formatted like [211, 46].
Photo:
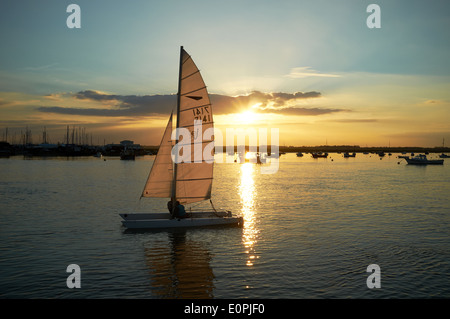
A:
[313, 69]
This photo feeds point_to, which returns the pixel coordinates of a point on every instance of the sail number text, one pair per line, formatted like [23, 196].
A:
[202, 113]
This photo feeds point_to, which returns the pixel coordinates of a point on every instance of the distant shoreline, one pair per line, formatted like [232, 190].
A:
[354, 148]
[8, 150]
[358, 149]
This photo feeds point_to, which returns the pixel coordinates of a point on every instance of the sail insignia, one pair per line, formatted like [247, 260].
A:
[195, 97]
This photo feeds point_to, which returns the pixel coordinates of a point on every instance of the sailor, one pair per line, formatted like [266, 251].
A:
[170, 206]
[180, 212]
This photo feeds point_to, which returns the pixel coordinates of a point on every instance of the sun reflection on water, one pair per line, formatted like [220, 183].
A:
[247, 192]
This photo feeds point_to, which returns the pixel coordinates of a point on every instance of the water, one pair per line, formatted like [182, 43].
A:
[310, 231]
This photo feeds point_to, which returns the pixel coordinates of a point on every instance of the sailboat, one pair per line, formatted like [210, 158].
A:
[184, 182]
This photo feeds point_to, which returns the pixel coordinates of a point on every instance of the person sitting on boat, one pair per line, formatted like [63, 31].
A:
[170, 206]
[172, 209]
[180, 211]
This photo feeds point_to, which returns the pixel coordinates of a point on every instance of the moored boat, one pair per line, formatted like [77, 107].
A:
[347, 154]
[319, 154]
[423, 160]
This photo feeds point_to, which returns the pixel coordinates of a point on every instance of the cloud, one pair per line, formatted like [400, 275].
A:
[354, 120]
[84, 111]
[258, 101]
[115, 105]
[2, 102]
[40, 67]
[282, 103]
[435, 102]
[304, 111]
[306, 71]
[136, 103]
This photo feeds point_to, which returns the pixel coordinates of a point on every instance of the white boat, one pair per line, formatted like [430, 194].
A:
[422, 160]
[184, 182]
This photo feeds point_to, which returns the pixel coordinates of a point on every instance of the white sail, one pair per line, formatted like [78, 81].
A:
[193, 180]
[159, 182]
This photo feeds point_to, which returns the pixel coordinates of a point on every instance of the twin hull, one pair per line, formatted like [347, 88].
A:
[162, 220]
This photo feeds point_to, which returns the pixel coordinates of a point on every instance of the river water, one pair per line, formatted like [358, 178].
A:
[311, 230]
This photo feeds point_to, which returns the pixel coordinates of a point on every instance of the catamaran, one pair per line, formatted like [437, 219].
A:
[184, 182]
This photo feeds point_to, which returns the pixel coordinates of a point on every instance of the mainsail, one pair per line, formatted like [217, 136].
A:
[193, 179]
[189, 181]
[159, 182]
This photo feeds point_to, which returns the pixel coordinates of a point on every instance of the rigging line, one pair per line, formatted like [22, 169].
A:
[187, 59]
[215, 211]
[194, 179]
[196, 161]
[203, 123]
[204, 197]
[202, 142]
[194, 107]
[198, 71]
[203, 161]
[204, 87]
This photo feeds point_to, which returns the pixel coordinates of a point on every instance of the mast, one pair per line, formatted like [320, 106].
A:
[174, 188]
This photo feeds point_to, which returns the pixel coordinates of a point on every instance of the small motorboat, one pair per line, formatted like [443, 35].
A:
[422, 160]
[347, 154]
[319, 154]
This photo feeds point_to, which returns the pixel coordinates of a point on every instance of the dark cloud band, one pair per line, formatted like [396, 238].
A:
[147, 105]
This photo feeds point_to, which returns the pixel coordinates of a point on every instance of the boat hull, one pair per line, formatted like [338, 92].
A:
[428, 162]
[163, 223]
[195, 219]
[145, 216]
